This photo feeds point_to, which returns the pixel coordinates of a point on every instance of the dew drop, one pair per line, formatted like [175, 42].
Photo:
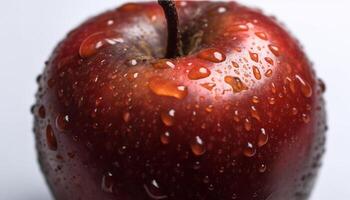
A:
[168, 117]
[254, 113]
[153, 190]
[273, 88]
[126, 117]
[306, 118]
[212, 55]
[222, 10]
[262, 168]
[198, 73]
[275, 50]
[247, 125]
[269, 73]
[271, 100]
[208, 86]
[263, 138]
[42, 112]
[62, 122]
[234, 64]
[249, 150]
[305, 87]
[294, 111]
[94, 42]
[255, 99]
[261, 35]
[163, 64]
[256, 73]
[198, 146]
[239, 28]
[322, 85]
[236, 83]
[165, 137]
[107, 182]
[254, 56]
[163, 87]
[269, 60]
[51, 138]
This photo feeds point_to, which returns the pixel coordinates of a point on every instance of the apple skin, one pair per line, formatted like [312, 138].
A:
[240, 116]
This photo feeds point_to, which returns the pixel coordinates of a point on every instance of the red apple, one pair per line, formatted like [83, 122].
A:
[213, 100]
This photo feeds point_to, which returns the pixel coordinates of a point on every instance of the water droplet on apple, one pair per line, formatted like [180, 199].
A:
[198, 146]
[42, 112]
[222, 10]
[51, 138]
[306, 118]
[269, 60]
[234, 196]
[271, 100]
[254, 56]
[165, 137]
[239, 28]
[294, 111]
[126, 117]
[153, 190]
[261, 35]
[132, 62]
[249, 150]
[168, 117]
[263, 138]
[236, 83]
[322, 85]
[94, 42]
[208, 86]
[255, 99]
[235, 65]
[273, 88]
[247, 125]
[254, 113]
[256, 73]
[269, 73]
[107, 182]
[212, 55]
[305, 87]
[198, 73]
[275, 50]
[62, 122]
[262, 168]
[163, 87]
[163, 64]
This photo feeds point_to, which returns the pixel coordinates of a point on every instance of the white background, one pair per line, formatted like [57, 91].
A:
[29, 30]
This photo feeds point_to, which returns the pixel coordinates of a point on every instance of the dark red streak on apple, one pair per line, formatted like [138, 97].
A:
[174, 46]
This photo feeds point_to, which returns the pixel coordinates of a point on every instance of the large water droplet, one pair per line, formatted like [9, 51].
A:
[165, 137]
[254, 56]
[163, 64]
[256, 73]
[198, 146]
[163, 87]
[126, 117]
[153, 190]
[238, 28]
[263, 138]
[275, 50]
[42, 112]
[236, 83]
[249, 150]
[305, 87]
[107, 182]
[208, 86]
[94, 42]
[212, 55]
[51, 138]
[261, 35]
[269, 73]
[168, 117]
[62, 122]
[198, 73]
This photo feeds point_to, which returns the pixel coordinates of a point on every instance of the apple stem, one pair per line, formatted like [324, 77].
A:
[174, 46]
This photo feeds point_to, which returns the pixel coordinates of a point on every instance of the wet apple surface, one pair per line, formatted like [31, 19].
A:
[237, 113]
